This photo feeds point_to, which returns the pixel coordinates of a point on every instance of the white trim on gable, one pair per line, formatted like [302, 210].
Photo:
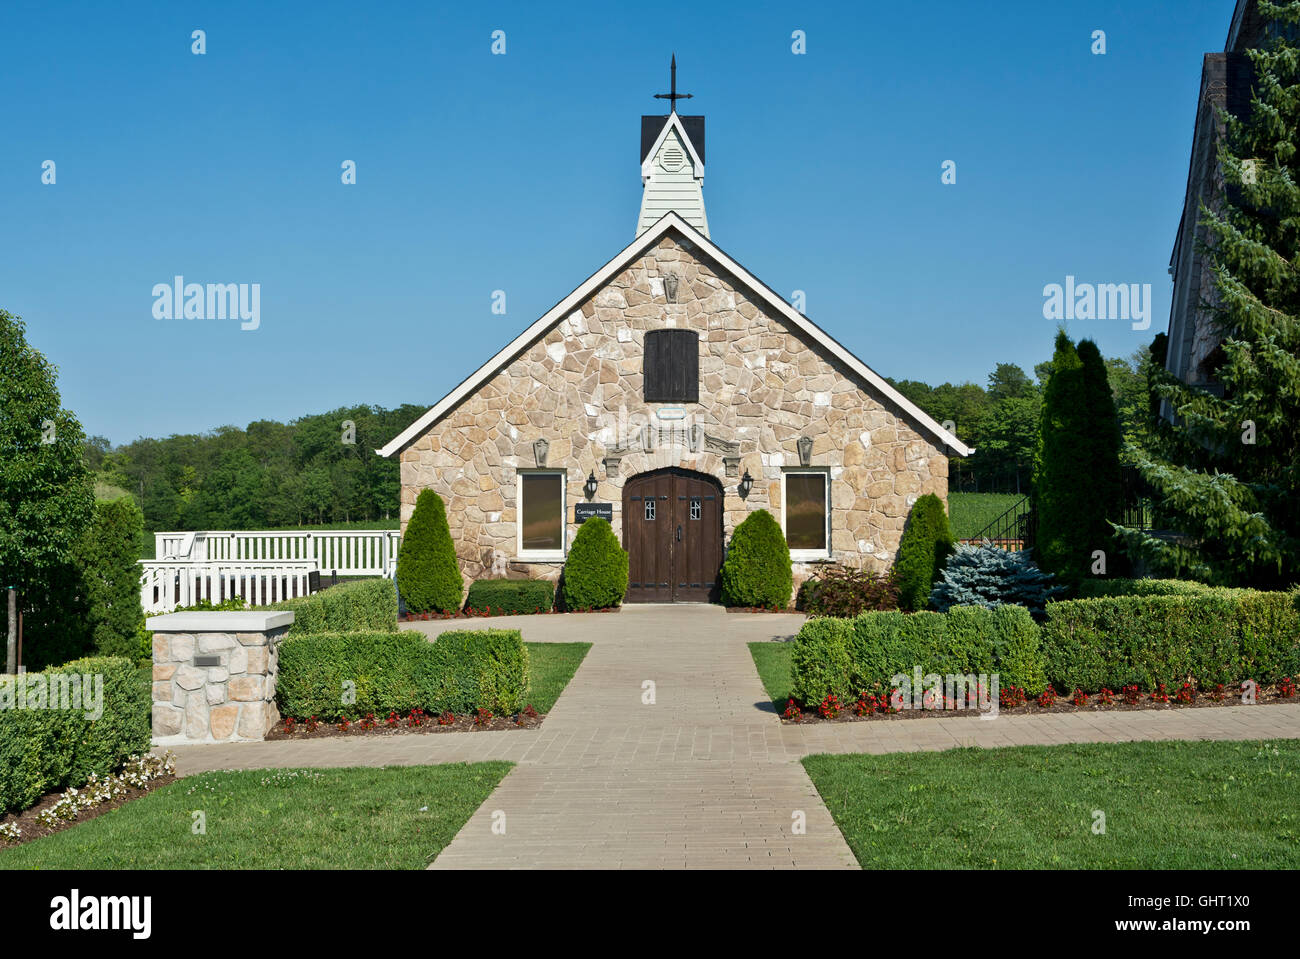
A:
[673, 123]
[669, 221]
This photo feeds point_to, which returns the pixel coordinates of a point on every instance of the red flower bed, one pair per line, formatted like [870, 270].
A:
[876, 704]
[417, 721]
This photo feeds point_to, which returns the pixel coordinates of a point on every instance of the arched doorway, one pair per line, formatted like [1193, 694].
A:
[672, 531]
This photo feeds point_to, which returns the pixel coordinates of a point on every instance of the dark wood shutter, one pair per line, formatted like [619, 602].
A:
[671, 367]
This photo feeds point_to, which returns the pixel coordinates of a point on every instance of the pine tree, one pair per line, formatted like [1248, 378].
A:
[1226, 469]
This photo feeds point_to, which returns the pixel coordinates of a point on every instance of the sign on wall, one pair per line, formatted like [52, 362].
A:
[585, 511]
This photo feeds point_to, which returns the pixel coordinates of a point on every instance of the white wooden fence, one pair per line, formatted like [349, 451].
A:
[167, 584]
[341, 552]
[260, 566]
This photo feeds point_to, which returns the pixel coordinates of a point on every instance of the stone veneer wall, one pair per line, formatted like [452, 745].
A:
[231, 701]
[761, 385]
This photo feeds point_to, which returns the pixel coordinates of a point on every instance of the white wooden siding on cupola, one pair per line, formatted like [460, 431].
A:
[673, 180]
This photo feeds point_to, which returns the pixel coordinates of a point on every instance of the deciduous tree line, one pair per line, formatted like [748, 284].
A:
[316, 469]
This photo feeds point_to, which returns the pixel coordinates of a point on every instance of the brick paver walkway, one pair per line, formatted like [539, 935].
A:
[706, 775]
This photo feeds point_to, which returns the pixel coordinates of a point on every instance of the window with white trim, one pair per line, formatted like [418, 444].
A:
[806, 513]
[540, 527]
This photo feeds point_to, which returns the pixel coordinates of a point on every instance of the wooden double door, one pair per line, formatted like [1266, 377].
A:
[672, 530]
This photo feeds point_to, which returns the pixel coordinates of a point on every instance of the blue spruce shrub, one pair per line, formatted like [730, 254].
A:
[987, 576]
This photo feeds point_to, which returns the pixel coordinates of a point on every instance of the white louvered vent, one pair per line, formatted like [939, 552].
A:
[672, 159]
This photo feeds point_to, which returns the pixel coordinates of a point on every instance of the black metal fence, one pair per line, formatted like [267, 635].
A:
[1016, 528]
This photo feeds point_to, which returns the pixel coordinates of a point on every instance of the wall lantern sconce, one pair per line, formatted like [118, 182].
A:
[746, 484]
[590, 486]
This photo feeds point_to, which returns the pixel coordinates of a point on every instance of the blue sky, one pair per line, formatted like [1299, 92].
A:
[520, 172]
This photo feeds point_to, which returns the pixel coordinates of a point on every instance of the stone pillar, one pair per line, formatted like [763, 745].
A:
[214, 675]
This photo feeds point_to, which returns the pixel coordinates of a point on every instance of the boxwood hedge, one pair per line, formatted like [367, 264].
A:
[511, 595]
[43, 748]
[368, 605]
[848, 656]
[1215, 636]
[460, 671]
[1098, 588]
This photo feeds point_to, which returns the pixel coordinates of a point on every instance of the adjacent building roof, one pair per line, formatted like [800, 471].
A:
[671, 222]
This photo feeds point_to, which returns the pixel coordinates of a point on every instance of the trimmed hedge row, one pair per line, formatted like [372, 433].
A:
[1099, 588]
[43, 749]
[1219, 636]
[1207, 636]
[849, 656]
[511, 595]
[365, 606]
[460, 671]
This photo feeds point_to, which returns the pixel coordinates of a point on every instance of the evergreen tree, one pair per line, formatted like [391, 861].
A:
[927, 541]
[1226, 468]
[428, 575]
[595, 571]
[1103, 486]
[757, 570]
[1076, 487]
[1060, 461]
[106, 558]
[985, 575]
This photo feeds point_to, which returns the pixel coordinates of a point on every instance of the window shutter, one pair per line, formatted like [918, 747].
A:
[671, 366]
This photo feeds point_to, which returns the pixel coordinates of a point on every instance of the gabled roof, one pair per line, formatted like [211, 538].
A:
[670, 221]
[674, 122]
[652, 126]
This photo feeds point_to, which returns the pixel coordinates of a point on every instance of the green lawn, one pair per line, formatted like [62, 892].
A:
[969, 513]
[1167, 805]
[398, 817]
[772, 660]
[550, 667]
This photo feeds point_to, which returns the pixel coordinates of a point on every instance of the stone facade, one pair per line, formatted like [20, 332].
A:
[763, 385]
[214, 675]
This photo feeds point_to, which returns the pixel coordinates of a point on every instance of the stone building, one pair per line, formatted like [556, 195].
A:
[1226, 80]
[673, 393]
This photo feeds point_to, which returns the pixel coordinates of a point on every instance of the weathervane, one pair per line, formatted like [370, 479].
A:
[674, 96]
